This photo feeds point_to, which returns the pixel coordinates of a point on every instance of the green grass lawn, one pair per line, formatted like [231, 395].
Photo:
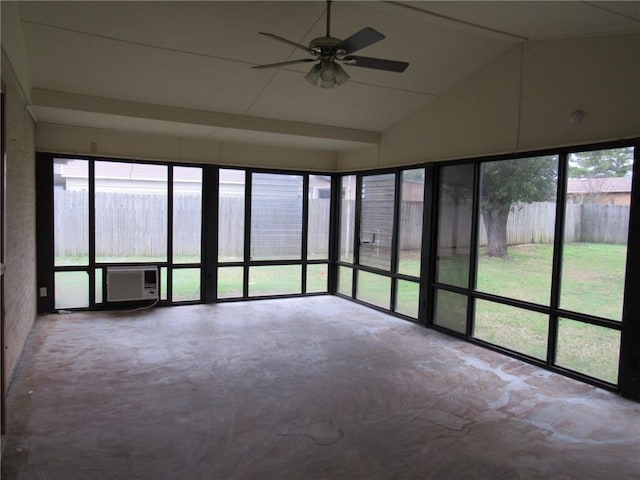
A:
[592, 277]
[592, 283]
[186, 284]
[525, 275]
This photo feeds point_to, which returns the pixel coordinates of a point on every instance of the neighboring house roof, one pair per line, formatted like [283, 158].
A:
[129, 171]
[72, 168]
[599, 185]
[232, 175]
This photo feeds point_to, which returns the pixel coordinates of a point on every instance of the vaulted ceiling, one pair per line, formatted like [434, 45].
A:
[184, 68]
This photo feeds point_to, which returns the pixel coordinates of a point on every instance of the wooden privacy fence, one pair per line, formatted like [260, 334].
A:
[535, 223]
[594, 223]
[136, 225]
[584, 222]
[131, 225]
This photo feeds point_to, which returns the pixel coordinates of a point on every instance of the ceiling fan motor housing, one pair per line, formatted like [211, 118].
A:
[326, 46]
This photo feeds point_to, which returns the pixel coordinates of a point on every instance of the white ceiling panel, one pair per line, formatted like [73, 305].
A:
[630, 9]
[537, 20]
[352, 105]
[89, 65]
[198, 56]
[225, 29]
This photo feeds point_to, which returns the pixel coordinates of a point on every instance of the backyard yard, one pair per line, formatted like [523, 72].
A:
[592, 283]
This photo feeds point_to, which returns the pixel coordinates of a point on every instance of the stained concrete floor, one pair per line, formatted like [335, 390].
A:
[315, 388]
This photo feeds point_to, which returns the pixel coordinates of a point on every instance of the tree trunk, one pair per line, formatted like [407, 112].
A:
[495, 224]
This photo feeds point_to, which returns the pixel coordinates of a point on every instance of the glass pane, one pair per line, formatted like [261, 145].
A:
[345, 281]
[316, 278]
[516, 232]
[411, 208]
[451, 311]
[520, 330]
[408, 298]
[454, 225]
[131, 212]
[163, 283]
[374, 289]
[230, 282]
[588, 349]
[72, 289]
[186, 284]
[376, 222]
[187, 214]
[71, 211]
[596, 230]
[319, 210]
[231, 216]
[347, 217]
[276, 216]
[275, 280]
[98, 285]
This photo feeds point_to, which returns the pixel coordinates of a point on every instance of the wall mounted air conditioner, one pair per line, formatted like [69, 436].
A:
[126, 284]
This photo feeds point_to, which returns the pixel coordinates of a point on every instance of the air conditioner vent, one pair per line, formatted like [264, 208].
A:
[125, 284]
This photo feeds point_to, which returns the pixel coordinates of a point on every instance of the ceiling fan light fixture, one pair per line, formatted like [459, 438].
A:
[341, 75]
[327, 74]
[314, 75]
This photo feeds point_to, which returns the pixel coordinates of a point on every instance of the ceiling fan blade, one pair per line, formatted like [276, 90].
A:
[288, 42]
[365, 37]
[377, 63]
[288, 62]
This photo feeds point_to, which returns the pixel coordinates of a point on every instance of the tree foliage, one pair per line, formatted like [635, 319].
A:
[601, 163]
[508, 182]
[518, 181]
[416, 174]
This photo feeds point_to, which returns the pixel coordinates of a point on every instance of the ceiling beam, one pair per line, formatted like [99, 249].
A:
[87, 103]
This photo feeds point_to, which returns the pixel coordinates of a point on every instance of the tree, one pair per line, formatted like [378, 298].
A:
[416, 174]
[507, 183]
[601, 163]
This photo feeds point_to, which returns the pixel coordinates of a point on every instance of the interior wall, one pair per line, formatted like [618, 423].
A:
[109, 143]
[598, 75]
[522, 101]
[20, 247]
[13, 45]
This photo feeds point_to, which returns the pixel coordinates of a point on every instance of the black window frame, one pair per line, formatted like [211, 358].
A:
[247, 262]
[45, 246]
[356, 267]
[629, 365]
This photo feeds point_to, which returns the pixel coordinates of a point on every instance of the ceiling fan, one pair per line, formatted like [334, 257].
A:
[328, 51]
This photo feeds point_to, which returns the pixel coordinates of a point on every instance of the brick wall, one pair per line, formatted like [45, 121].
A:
[20, 276]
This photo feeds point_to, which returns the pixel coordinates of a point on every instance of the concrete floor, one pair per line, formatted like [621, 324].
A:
[315, 388]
